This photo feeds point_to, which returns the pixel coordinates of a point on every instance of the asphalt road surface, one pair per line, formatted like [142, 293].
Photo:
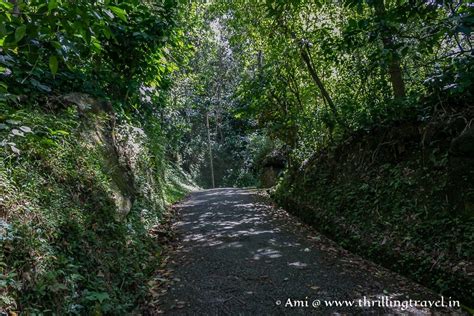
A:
[239, 255]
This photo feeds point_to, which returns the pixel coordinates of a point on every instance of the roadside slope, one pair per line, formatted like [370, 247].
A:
[401, 195]
[79, 193]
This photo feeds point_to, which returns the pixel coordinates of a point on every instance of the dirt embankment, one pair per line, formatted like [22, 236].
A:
[402, 195]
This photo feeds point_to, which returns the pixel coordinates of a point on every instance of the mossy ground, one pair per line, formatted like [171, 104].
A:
[64, 248]
[387, 212]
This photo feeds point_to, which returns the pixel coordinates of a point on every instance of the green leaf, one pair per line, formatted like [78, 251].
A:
[56, 45]
[20, 33]
[40, 86]
[6, 5]
[120, 13]
[48, 143]
[97, 296]
[53, 4]
[95, 45]
[53, 65]
[59, 132]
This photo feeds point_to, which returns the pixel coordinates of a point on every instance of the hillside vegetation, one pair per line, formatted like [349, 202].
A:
[397, 194]
[356, 114]
[86, 175]
[79, 200]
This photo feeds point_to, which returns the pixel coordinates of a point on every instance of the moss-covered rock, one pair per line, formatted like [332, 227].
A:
[79, 192]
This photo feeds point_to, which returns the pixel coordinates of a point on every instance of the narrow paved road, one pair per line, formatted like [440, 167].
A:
[240, 256]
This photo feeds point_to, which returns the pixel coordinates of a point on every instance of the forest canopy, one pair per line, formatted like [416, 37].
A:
[347, 109]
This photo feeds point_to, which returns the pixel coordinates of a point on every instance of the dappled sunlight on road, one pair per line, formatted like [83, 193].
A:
[233, 222]
[239, 253]
[266, 253]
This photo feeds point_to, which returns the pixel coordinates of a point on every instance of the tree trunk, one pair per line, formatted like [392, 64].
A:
[394, 68]
[305, 55]
[211, 164]
[396, 78]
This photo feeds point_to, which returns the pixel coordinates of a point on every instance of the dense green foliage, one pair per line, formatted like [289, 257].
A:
[308, 77]
[69, 169]
[344, 46]
[390, 206]
[303, 75]
[102, 103]
[107, 48]
[65, 247]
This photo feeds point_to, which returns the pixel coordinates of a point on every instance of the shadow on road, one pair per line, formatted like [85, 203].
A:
[239, 255]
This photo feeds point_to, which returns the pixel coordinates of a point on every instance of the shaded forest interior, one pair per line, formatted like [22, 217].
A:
[355, 115]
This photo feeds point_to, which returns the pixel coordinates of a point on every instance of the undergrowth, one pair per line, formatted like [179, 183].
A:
[65, 248]
[395, 213]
